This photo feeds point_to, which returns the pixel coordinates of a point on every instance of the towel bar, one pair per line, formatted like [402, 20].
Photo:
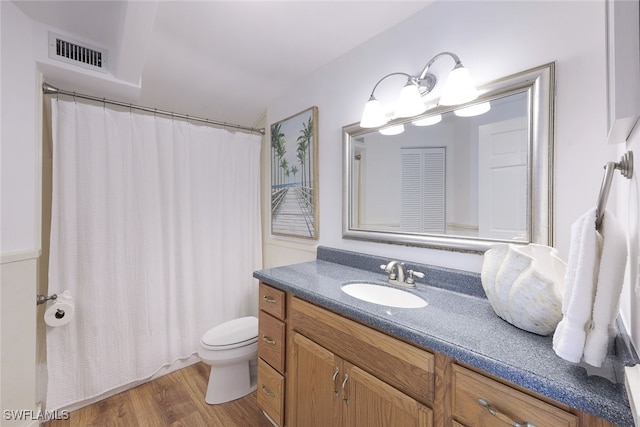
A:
[625, 165]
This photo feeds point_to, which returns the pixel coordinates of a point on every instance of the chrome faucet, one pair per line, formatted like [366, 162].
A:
[397, 277]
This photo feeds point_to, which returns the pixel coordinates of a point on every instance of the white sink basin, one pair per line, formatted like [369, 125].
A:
[383, 295]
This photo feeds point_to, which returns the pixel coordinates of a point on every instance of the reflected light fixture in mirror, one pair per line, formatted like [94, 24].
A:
[473, 110]
[458, 89]
[392, 130]
[428, 121]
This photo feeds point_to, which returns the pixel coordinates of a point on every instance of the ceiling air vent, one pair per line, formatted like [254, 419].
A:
[77, 53]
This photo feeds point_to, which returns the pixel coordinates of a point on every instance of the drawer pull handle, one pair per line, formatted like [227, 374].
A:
[501, 416]
[335, 388]
[344, 392]
[270, 300]
[268, 340]
[267, 392]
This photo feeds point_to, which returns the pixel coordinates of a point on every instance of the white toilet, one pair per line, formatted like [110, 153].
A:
[231, 349]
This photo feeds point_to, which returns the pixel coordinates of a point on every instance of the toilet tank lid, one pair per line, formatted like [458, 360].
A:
[232, 332]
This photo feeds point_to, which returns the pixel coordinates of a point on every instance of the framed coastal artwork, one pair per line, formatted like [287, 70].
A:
[294, 175]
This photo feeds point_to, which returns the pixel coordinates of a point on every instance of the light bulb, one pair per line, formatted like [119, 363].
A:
[373, 115]
[459, 88]
[410, 102]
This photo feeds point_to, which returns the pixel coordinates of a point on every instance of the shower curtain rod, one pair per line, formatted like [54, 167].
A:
[47, 89]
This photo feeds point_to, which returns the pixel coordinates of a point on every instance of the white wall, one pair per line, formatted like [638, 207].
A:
[493, 39]
[20, 213]
[19, 210]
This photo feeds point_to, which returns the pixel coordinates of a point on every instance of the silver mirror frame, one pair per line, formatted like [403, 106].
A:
[540, 84]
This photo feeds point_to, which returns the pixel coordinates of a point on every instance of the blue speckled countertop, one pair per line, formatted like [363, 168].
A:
[458, 322]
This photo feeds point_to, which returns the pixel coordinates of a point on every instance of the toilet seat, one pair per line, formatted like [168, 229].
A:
[229, 346]
[235, 333]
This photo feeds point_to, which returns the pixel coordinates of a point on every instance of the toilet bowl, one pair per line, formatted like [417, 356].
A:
[231, 349]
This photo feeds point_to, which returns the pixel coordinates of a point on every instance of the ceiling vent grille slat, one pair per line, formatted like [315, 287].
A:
[78, 53]
[73, 52]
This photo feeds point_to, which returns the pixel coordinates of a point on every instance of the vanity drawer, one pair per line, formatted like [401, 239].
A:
[271, 340]
[270, 393]
[509, 404]
[401, 365]
[272, 301]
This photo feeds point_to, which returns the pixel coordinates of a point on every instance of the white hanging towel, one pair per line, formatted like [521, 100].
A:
[608, 289]
[577, 301]
[593, 282]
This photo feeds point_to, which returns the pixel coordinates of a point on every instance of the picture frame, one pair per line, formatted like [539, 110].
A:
[294, 175]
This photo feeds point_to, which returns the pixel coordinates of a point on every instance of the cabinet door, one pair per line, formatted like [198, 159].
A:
[315, 377]
[372, 403]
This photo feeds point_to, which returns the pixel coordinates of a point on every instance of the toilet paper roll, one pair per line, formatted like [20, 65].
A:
[59, 313]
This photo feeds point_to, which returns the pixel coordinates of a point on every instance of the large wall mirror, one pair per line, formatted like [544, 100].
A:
[457, 181]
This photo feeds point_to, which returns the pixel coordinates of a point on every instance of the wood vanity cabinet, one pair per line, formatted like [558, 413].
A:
[271, 352]
[329, 388]
[336, 372]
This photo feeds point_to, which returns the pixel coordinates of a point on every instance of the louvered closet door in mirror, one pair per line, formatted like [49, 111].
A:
[423, 190]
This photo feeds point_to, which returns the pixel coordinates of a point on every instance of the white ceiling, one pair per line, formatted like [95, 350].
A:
[225, 60]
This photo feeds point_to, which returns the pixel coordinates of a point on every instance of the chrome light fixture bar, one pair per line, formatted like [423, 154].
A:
[457, 89]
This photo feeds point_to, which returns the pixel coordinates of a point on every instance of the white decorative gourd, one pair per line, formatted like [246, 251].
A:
[524, 285]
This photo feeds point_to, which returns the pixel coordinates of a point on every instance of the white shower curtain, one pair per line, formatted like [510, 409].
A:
[156, 232]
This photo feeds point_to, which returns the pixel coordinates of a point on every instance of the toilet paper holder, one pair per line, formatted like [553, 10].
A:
[41, 299]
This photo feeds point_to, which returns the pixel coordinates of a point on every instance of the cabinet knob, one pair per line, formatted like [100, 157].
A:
[270, 300]
[502, 417]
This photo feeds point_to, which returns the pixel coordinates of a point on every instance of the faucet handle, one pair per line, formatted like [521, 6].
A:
[389, 269]
[393, 275]
[410, 276]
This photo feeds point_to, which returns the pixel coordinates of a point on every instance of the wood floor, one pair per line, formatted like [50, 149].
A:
[176, 399]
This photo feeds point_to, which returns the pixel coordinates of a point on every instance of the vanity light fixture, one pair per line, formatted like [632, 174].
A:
[473, 110]
[457, 89]
[410, 101]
